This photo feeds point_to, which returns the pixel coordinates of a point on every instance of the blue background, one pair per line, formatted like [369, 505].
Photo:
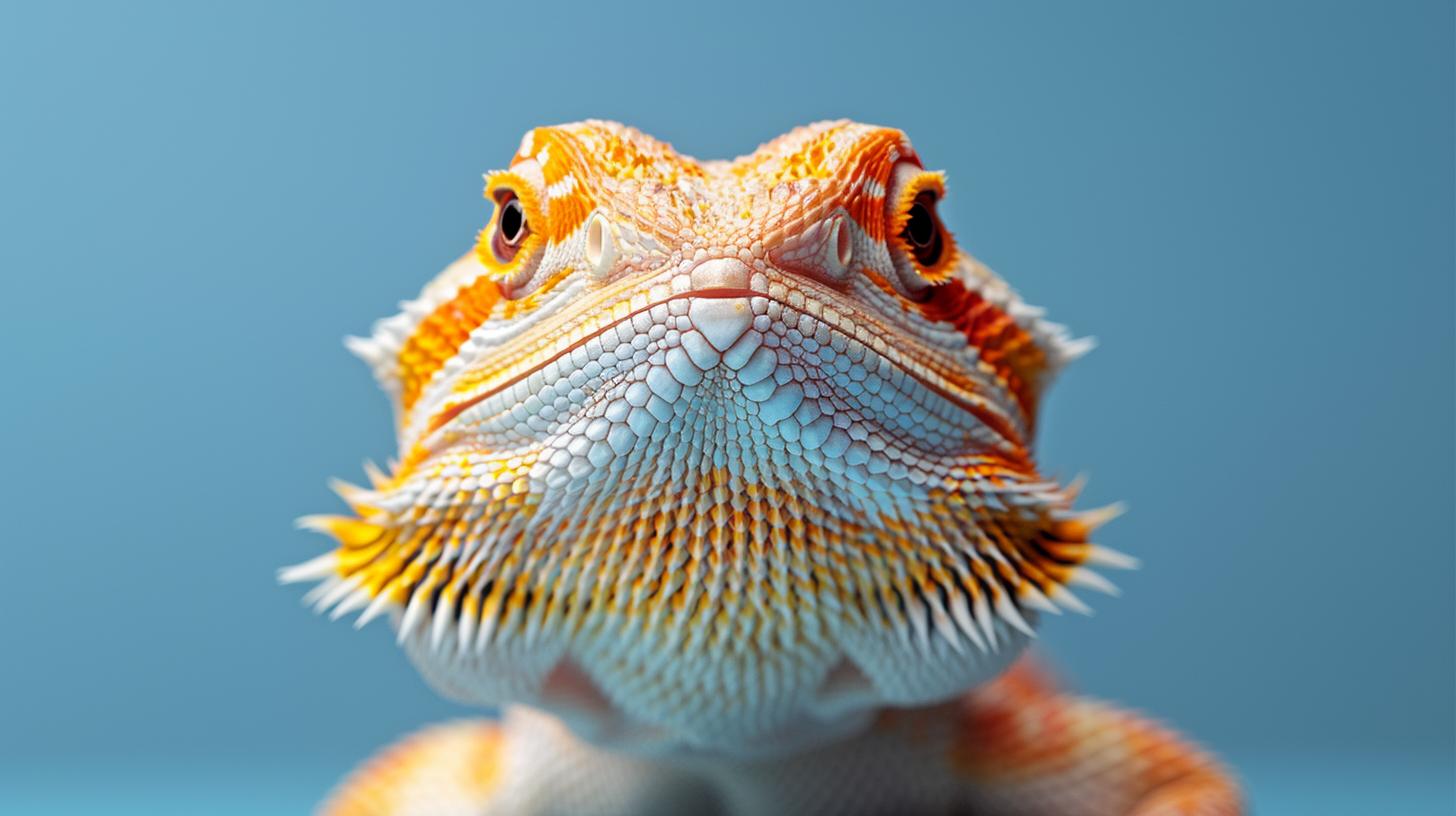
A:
[1249, 204]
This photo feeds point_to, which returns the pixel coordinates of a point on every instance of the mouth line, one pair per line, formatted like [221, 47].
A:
[991, 419]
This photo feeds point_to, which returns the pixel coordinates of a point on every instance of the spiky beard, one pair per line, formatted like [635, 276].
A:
[708, 586]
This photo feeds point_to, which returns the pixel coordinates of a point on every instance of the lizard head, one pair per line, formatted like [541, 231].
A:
[711, 453]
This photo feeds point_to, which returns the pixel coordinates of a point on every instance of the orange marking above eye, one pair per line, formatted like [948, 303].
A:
[577, 162]
[811, 160]
[869, 165]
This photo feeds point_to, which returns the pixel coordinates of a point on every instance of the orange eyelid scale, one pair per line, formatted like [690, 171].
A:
[870, 167]
[921, 183]
[498, 186]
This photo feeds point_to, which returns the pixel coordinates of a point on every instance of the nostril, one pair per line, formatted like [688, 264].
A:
[720, 273]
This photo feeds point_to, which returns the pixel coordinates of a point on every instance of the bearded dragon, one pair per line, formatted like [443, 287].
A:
[716, 477]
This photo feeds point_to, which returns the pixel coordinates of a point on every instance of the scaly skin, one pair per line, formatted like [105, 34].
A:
[717, 476]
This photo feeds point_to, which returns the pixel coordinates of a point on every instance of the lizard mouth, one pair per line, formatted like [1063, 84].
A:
[728, 333]
[711, 294]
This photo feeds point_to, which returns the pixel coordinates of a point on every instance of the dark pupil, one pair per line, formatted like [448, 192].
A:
[922, 232]
[920, 229]
[512, 221]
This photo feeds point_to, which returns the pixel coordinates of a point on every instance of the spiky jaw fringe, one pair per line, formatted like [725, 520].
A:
[677, 635]
[705, 543]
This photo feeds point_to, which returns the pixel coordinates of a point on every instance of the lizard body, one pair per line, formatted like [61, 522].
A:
[717, 476]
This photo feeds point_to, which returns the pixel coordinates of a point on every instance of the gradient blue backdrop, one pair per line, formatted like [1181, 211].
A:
[1249, 204]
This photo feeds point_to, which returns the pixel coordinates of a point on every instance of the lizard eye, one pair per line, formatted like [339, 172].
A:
[924, 249]
[511, 245]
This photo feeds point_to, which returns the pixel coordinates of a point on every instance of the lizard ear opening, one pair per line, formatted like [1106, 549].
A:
[600, 250]
[839, 252]
[921, 244]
